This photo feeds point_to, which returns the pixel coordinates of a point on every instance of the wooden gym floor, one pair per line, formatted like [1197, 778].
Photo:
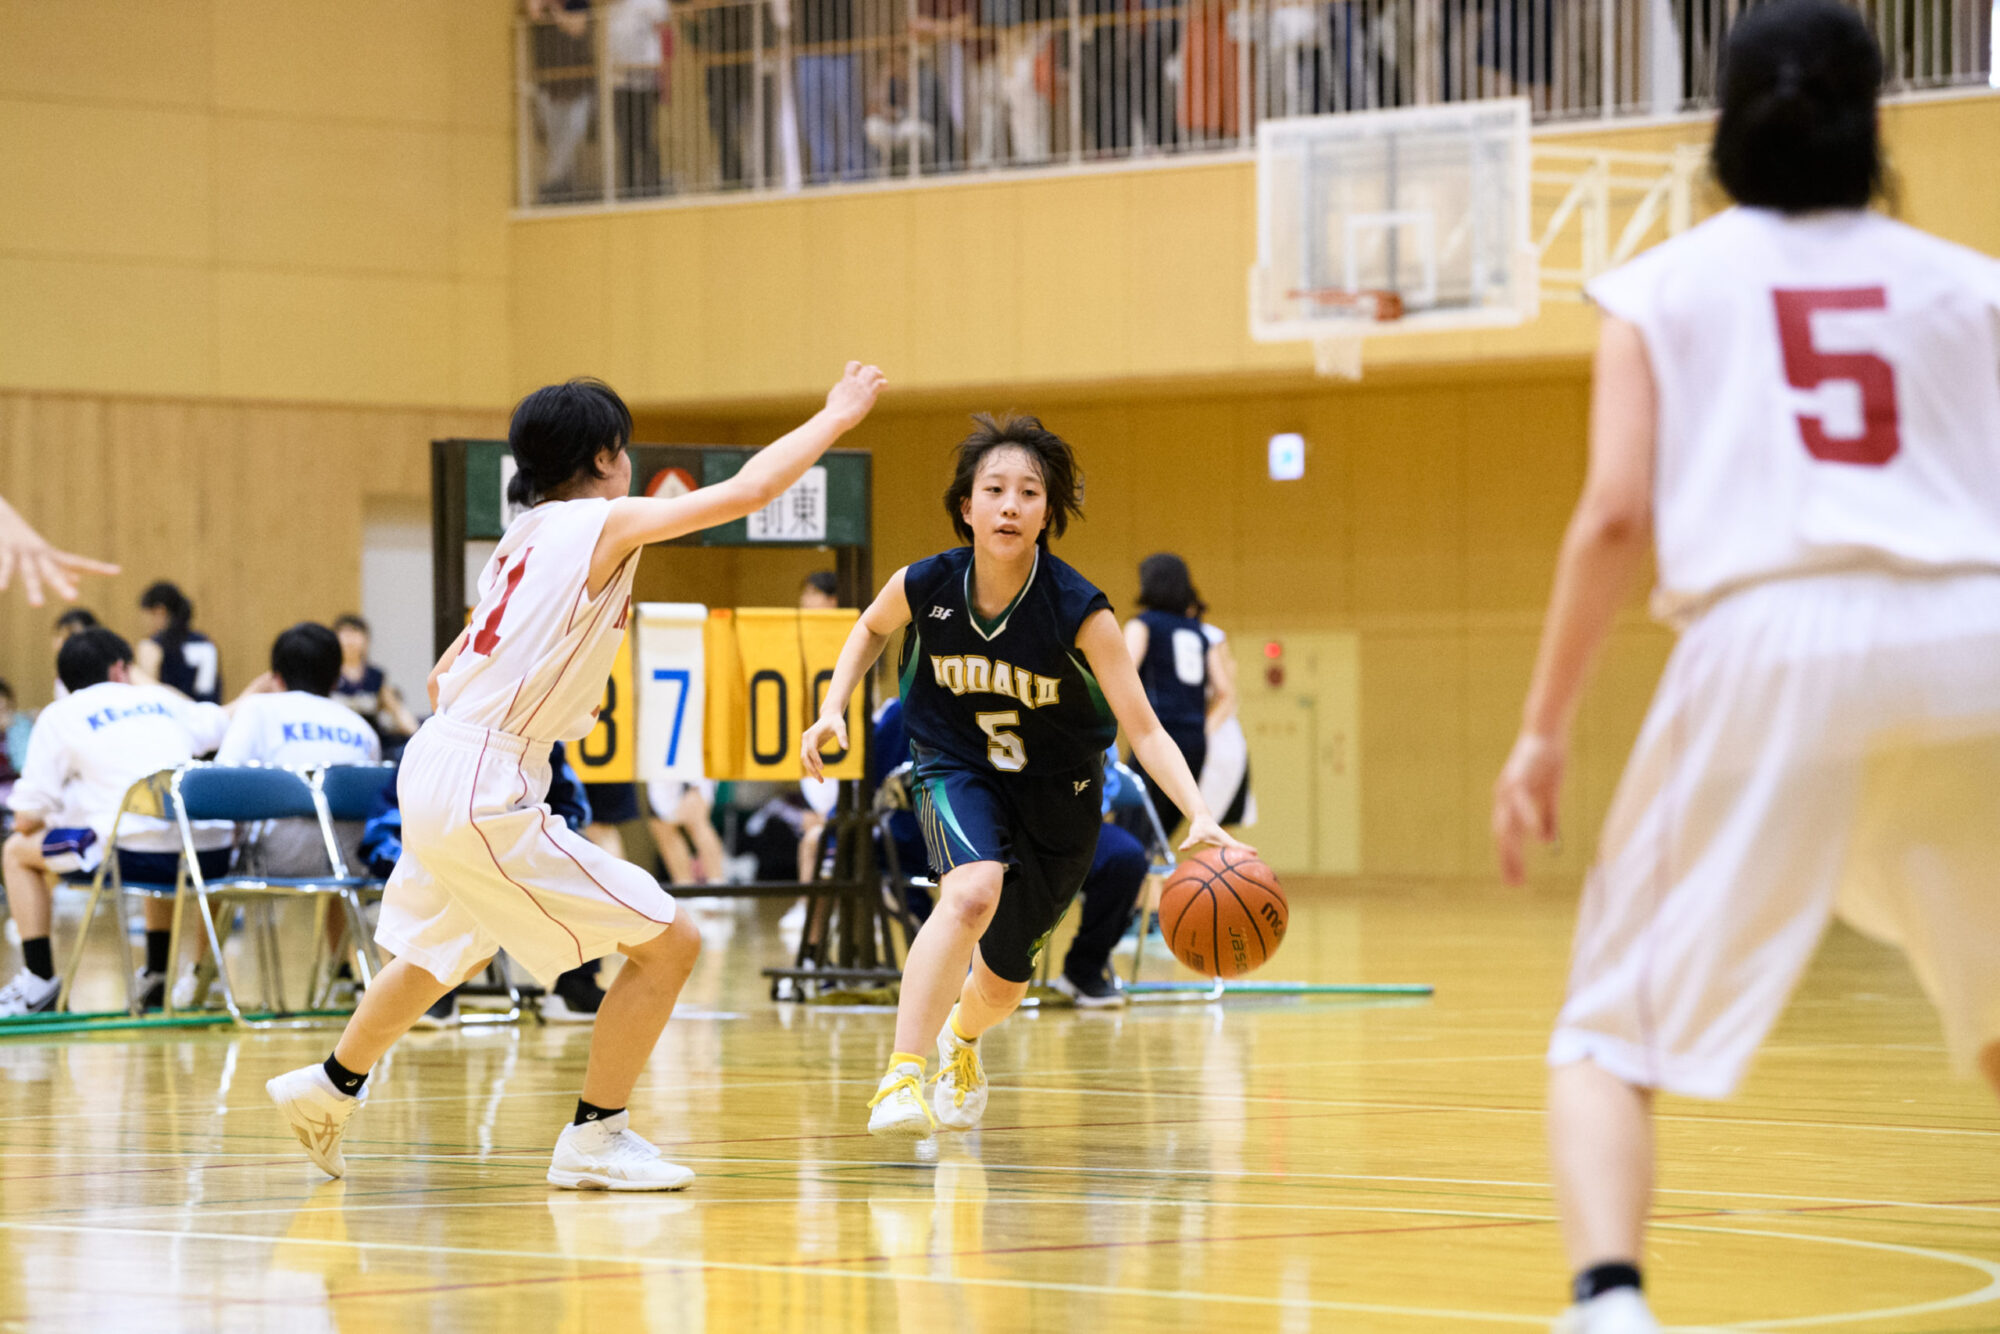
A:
[1259, 1165]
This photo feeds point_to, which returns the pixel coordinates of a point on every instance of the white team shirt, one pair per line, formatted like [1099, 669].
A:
[540, 648]
[1829, 399]
[89, 747]
[298, 730]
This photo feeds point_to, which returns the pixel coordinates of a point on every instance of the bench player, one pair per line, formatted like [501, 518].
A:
[1799, 403]
[484, 864]
[1014, 679]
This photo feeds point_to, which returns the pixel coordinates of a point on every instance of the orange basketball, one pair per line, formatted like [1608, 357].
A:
[1223, 912]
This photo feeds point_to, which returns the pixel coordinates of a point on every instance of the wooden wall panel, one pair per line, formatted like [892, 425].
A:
[254, 509]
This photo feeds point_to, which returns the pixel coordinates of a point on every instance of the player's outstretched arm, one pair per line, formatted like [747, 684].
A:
[1607, 541]
[1104, 648]
[888, 613]
[635, 521]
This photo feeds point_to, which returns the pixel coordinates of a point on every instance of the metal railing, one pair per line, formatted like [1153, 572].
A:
[633, 99]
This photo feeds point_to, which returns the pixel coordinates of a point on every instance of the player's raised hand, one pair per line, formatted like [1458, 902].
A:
[853, 398]
[829, 727]
[1525, 798]
[1205, 832]
[26, 552]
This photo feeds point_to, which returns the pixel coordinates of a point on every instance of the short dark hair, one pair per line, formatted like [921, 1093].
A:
[347, 619]
[825, 581]
[1052, 456]
[1797, 129]
[75, 619]
[7, 689]
[1164, 585]
[87, 657]
[307, 657]
[168, 597]
[557, 433]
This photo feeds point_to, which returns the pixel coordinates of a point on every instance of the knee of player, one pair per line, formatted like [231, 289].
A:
[972, 892]
[682, 939]
[19, 849]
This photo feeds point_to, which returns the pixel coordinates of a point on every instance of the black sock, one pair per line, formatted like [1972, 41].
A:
[343, 1078]
[590, 1111]
[156, 950]
[1603, 1278]
[38, 956]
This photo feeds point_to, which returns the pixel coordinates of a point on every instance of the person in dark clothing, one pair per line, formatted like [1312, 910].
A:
[1174, 656]
[576, 994]
[176, 654]
[1110, 889]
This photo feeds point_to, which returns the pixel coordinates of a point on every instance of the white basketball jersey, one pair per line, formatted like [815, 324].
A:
[539, 647]
[1829, 398]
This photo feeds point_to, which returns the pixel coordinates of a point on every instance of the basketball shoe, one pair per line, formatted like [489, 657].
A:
[898, 1105]
[317, 1113]
[1101, 992]
[959, 1096]
[1619, 1311]
[608, 1155]
[28, 994]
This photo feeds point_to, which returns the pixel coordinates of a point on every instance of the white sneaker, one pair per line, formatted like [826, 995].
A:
[898, 1105]
[317, 1113]
[607, 1155]
[28, 994]
[1619, 1311]
[556, 1009]
[196, 989]
[959, 1096]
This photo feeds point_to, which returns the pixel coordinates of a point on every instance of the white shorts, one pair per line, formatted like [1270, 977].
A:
[664, 795]
[1820, 744]
[487, 866]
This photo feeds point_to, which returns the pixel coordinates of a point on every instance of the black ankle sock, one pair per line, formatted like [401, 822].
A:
[590, 1111]
[1603, 1278]
[343, 1078]
[156, 950]
[38, 956]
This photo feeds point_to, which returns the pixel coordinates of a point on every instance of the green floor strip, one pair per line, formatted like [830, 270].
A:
[106, 1021]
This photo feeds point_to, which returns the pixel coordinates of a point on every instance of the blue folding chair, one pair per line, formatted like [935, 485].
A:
[350, 794]
[249, 795]
[1131, 798]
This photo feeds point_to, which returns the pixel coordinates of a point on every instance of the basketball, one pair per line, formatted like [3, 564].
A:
[1223, 912]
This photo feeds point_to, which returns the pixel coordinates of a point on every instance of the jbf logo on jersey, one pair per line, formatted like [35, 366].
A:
[940, 613]
[974, 675]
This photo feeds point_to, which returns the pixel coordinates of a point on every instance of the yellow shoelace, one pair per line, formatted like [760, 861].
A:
[964, 1071]
[916, 1087]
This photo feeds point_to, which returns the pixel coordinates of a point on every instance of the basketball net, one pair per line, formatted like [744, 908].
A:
[1337, 352]
[1337, 356]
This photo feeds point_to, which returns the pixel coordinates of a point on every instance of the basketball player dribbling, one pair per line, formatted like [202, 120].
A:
[1014, 677]
[1798, 402]
[484, 865]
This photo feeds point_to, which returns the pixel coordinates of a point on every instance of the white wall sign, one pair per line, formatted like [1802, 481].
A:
[672, 688]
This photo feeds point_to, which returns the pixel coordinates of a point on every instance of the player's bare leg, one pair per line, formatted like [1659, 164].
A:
[1601, 1148]
[636, 1009]
[34, 988]
[694, 816]
[390, 1006]
[673, 850]
[959, 1097]
[933, 975]
[1989, 1064]
[599, 1151]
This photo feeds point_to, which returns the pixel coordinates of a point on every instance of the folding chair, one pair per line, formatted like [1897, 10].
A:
[350, 794]
[251, 795]
[150, 797]
[891, 799]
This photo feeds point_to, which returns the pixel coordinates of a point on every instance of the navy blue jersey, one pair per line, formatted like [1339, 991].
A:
[1175, 671]
[190, 664]
[1012, 695]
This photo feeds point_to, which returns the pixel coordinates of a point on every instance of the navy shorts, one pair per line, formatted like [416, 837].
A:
[612, 803]
[1042, 830]
[159, 868]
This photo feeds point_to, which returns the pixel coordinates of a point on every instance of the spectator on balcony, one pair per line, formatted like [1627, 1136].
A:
[632, 35]
[1007, 73]
[726, 34]
[565, 66]
[945, 40]
[830, 90]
